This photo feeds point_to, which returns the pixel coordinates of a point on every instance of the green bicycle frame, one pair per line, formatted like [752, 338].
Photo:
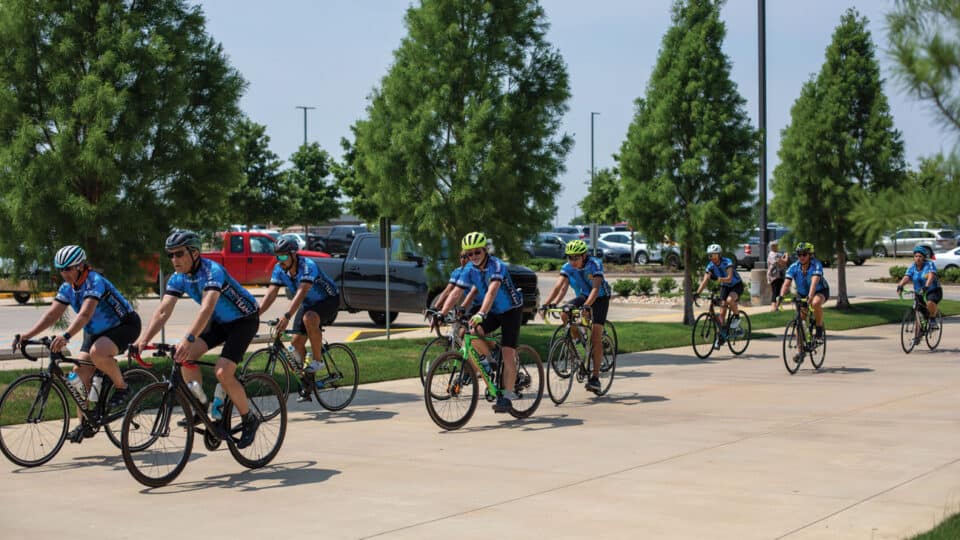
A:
[468, 353]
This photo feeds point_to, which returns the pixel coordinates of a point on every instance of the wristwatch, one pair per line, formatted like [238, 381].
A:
[66, 336]
[191, 338]
[286, 316]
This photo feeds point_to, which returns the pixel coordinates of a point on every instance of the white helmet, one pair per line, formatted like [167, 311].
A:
[713, 248]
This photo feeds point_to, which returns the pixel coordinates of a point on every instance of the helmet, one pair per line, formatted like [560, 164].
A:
[924, 249]
[287, 245]
[805, 247]
[473, 240]
[69, 256]
[713, 248]
[182, 238]
[576, 247]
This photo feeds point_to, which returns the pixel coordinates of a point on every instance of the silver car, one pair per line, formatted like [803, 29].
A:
[643, 252]
[903, 241]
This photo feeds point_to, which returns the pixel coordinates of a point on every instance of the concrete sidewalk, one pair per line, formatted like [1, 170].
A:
[727, 448]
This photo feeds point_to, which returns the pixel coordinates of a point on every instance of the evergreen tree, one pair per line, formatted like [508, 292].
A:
[690, 158]
[463, 132]
[307, 180]
[262, 197]
[360, 203]
[601, 203]
[840, 146]
[117, 120]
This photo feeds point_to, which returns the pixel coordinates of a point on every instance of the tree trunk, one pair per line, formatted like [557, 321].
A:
[842, 301]
[687, 287]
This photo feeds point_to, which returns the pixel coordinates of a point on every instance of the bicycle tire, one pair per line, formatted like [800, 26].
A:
[262, 361]
[529, 383]
[157, 418]
[434, 348]
[451, 385]
[790, 349]
[611, 330]
[608, 365]
[819, 349]
[933, 342]
[703, 335]
[342, 375]
[559, 372]
[738, 340]
[24, 430]
[266, 401]
[137, 379]
[908, 331]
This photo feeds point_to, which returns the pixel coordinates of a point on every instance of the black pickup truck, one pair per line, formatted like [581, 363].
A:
[361, 279]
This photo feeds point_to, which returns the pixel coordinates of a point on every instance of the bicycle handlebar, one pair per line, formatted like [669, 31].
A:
[22, 345]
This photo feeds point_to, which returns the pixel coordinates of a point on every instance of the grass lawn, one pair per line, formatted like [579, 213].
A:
[949, 529]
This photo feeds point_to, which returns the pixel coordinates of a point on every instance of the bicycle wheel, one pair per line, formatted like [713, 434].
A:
[608, 365]
[267, 403]
[262, 361]
[792, 346]
[451, 391]
[819, 351]
[137, 379]
[529, 383]
[336, 384]
[560, 365]
[610, 330]
[703, 336]
[156, 436]
[33, 420]
[431, 351]
[933, 336]
[738, 339]
[908, 330]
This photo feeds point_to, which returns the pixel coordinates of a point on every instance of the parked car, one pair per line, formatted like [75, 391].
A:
[337, 241]
[33, 278]
[642, 252]
[948, 259]
[608, 252]
[547, 245]
[746, 255]
[903, 241]
[299, 238]
[582, 231]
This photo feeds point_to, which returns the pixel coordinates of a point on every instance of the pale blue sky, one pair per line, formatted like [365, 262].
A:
[330, 54]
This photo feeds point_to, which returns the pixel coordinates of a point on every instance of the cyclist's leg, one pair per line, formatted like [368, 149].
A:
[819, 299]
[933, 302]
[725, 292]
[576, 303]
[237, 337]
[734, 297]
[107, 345]
[599, 312]
[509, 322]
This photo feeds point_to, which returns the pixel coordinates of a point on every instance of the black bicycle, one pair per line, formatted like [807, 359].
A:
[158, 429]
[570, 357]
[334, 384]
[710, 332]
[34, 411]
[800, 339]
[918, 326]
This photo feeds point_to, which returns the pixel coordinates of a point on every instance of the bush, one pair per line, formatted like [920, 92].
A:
[951, 275]
[644, 286]
[666, 285]
[897, 272]
[624, 287]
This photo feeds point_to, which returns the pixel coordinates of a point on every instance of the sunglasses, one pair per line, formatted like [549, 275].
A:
[464, 257]
[803, 254]
[282, 258]
[574, 257]
[474, 253]
[176, 254]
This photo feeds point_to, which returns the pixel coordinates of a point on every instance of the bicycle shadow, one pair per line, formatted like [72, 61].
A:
[534, 423]
[843, 337]
[274, 476]
[623, 374]
[81, 462]
[618, 398]
[344, 416]
[842, 370]
[379, 397]
[654, 358]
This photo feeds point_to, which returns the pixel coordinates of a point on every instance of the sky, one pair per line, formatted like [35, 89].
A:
[331, 54]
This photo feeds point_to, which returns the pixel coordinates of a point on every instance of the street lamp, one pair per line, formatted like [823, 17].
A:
[305, 109]
[592, 170]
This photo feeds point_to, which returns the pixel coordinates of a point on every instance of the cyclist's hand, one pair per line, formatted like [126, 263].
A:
[282, 323]
[900, 290]
[16, 342]
[587, 312]
[477, 319]
[58, 344]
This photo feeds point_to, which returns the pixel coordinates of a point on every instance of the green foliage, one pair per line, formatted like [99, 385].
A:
[464, 129]
[544, 265]
[600, 204]
[897, 272]
[951, 275]
[666, 285]
[689, 163]
[263, 197]
[360, 203]
[316, 198]
[624, 287]
[644, 286]
[117, 120]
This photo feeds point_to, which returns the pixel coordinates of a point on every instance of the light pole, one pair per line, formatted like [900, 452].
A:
[305, 109]
[592, 170]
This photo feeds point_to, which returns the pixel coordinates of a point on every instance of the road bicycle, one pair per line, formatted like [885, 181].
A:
[449, 342]
[334, 385]
[451, 389]
[916, 325]
[800, 338]
[158, 430]
[710, 332]
[34, 410]
[570, 357]
[554, 313]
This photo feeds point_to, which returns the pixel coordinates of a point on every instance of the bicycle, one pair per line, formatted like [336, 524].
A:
[801, 339]
[440, 344]
[35, 415]
[339, 377]
[566, 361]
[608, 327]
[916, 324]
[709, 330]
[158, 429]
[452, 383]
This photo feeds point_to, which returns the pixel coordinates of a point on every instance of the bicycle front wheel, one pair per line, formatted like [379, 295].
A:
[431, 351]
[529, 383]
[608, 365]
[268, 404]
[933, 336]
[336, 384]
[33, 420]
[704, 335]
[793, 346]
[270, 363]
[610, 330]
[908, 331]
[560, 365]
[137, 379]
[739, 338]
[156, 436]
[819, 351]
[451, 391]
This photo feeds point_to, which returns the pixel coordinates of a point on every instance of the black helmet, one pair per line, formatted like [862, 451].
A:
[182, 238]
[286, 245]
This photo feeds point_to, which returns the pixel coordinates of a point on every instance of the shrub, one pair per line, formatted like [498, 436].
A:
[644, 286]
[624, 287]
[666, 285]
[897, 272]
[951, 275]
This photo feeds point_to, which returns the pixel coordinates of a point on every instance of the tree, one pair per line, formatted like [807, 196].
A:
[316, 198]
[690, 158]
[117, 120]
[360, 203]
[462, 133]
[840, 146]
[262, 197]
[600, 205]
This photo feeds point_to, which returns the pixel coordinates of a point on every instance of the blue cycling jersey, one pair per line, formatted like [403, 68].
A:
[582, 280]
[455, 277]
[718, 271]
[308, 271]
[112, 307]
[802, 279]
[919, 276]
[508, 297]
[234, 303]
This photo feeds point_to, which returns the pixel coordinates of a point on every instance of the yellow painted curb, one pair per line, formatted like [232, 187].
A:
[366, 334]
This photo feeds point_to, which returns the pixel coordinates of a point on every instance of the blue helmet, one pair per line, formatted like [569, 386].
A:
[68, 256]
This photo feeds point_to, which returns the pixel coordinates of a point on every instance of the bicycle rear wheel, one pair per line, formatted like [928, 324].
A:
[933, 336]
[792, 346]
[262, 361]
[156, 436]
[269, 405]
[738, 339]
[529, 383]
[703, 336]
[431, 351]
[33, 420]
[608, 365]
[560, 365]
[336, 384]
[908, 330]
[451, 391]
[819, 352]
[610, 330]
[137, 379]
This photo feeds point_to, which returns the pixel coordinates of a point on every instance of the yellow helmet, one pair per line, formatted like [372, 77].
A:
[473, 240]
[576, 247]
[805, 247]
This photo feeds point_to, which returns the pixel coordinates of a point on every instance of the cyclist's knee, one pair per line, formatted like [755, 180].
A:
[310, 318]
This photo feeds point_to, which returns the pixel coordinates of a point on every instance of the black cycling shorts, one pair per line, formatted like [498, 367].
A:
[599, 309]
[122, 335]
[326, 309]
[509, 323]
[725, 290]
[825, 293]
[235, 336]
[935, 295]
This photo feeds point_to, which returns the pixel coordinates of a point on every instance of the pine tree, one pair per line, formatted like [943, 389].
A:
[262, 198]
[601, 203]
[308, 180]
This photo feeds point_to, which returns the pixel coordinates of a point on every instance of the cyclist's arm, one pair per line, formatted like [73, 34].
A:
[490, 297]
[298, 298]
[930, 278]
[87, 308]
[451, 301]
[159, 318]
[438, 301]
[468, 300]
[729, 277]
[51, 316]
[703, 283]
[597, 281]
[787, 281]
[814, 281]
[558, 290]
[268, 298]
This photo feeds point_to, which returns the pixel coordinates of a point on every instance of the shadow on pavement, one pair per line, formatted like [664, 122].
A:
[345, 415]
[616, 398]
[653, 358]
[112, 462]
[537, 422]
[279, 475]
[379, 397]
[623, 374]
[843, 337]
[841, 370]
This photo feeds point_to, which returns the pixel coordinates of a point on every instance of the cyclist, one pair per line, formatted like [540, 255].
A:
[807, 271]
[315, 298]
[585, 273]
[228, 316]
[451, 285]
[108, 321]
[488, 277]
[723, 270]
[923, 273]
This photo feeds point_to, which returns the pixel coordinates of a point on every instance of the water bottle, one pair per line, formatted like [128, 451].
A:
[197, 390]
[486, 366]
[76, 386]
[95, 386]
[216, 407]
[293, 355]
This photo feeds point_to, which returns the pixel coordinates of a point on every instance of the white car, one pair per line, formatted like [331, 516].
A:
[643, 253]
[946, 260]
